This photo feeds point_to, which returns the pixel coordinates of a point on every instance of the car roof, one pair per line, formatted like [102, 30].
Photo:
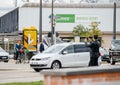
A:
[115, 40]
[70, 43]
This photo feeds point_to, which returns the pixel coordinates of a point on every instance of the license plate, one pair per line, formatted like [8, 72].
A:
[3, 57]
[116, 53]
[34, 63]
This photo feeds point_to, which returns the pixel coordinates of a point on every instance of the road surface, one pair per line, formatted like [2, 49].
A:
[11, 72]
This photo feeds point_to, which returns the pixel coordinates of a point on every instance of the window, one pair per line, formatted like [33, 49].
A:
[81, 48]
[115, 44]
[69, 49]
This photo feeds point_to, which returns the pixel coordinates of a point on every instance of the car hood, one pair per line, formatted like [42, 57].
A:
[4, 54]
[43, 55]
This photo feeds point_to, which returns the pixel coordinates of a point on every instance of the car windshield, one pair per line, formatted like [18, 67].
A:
[54, 49]
[1, 50]
[115, 44]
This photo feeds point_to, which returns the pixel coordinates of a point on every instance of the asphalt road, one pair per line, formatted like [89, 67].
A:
[11, 72]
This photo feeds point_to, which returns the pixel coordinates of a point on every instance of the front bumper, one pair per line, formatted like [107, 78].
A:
[105, 58]
[115, 55]
[4, 58]
[40, 64]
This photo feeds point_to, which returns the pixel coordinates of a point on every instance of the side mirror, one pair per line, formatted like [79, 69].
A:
[64, 52]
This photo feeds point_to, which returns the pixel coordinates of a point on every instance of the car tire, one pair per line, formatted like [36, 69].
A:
[37, 69]
[56, 65]
[112, 62]
[6, 61]
[108, 61]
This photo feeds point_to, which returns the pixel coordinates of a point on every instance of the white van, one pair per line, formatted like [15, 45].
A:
[62, 55]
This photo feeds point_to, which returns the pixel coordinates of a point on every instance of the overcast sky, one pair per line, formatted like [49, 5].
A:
[10, 3]
[4, 3]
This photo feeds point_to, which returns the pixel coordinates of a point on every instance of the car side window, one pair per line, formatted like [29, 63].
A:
[81, 48]
[69, 49]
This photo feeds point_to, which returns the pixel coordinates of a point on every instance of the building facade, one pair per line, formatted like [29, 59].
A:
[66, 17]
[71, 15]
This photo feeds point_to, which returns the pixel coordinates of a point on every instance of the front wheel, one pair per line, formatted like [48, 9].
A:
[56, 65]
[108, 61]
[37, 69]
[112, 62]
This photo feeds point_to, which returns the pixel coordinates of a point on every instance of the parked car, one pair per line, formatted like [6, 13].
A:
[104, 54]
[4, 56]
[62, 55]
[114, 51]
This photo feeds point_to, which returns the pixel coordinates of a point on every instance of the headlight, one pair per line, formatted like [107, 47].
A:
[45, 58]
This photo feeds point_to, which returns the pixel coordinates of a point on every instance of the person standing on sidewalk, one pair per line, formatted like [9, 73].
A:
[41, 48]
[94, 51]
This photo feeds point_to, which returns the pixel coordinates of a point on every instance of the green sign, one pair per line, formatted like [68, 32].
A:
[65, 18]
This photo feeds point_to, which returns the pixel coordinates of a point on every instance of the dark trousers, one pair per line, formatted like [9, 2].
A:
[17, 54]
[94, 59]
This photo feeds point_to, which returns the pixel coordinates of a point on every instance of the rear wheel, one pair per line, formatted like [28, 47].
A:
[37, 69]
[112, 62]
[56, 65]
[6, 61]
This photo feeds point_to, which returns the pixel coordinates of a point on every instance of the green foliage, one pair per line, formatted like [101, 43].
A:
[80, 30]
[25, 83]
[94, 29]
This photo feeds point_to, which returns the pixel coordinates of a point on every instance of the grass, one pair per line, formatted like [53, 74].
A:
[25, 83]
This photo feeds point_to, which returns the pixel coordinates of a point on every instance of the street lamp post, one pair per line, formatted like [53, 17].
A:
[114, 21]
[52, 27]
[40, 22]
[54, 32]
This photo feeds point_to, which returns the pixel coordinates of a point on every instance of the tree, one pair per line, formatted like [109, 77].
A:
[94, 29]
[80, 30]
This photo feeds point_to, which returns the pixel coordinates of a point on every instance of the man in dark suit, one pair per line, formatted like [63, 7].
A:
[94, 51]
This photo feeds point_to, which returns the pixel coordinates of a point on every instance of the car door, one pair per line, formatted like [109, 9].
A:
[67, 56]
[82, 55]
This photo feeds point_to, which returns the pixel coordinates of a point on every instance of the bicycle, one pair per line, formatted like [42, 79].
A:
[20, 56]
[25, 58]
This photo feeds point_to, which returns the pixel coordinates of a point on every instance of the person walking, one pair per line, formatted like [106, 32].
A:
[94, 51]
[41, 48]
